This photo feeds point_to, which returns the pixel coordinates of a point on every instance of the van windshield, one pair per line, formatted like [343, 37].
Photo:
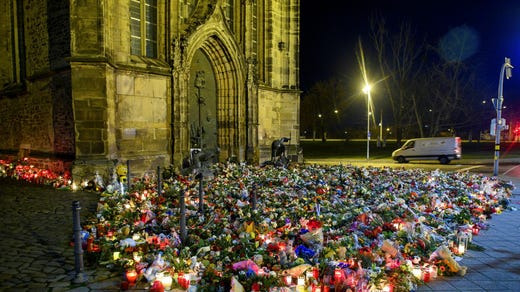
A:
[409, 144]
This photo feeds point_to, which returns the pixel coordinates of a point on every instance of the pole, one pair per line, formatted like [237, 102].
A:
[253, 197]
[368, 124]
[78, 249]
[498, 128]
[128, 175]
[159, 183]
[506, 68]
[182, 222]
[201, 192]
[381, 129]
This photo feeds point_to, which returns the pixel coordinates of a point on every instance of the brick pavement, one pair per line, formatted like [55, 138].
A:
[497, 268]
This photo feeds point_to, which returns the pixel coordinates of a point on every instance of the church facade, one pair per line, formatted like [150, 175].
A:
[97, 83]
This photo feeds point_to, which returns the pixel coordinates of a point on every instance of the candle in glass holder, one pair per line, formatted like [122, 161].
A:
[433, 271]
[388, 288]
[288, 280]
[338, 276]
[137, 257]
[166, 280]
[417, 272]
[462, 242]
[461, 249]
[300, 281]
[184, 280]
[316, 273]
[309, 274]
[475, 230]
[131, 276]
[426, 276]
[255, 287]
[315, 287]
[116, 255]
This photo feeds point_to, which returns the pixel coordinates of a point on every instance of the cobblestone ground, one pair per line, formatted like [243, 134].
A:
[35, 235]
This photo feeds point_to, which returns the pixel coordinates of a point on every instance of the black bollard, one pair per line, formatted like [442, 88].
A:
[78, 249]
[253, 198]
[182, 206]
[159, 183]
[128, 175]
[201, 193]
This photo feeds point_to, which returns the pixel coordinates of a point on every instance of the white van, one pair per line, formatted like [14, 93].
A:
[443, 149]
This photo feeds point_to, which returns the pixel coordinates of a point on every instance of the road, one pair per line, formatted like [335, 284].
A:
[509, 167]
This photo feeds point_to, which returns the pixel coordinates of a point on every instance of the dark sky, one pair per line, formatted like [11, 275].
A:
[330, 31]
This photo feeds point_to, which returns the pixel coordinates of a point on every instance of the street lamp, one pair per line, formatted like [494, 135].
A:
[366, 90]
[322, 128]
[506, 67]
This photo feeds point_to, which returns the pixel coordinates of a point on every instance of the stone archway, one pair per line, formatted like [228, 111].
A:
[202, 101]
[223, 117]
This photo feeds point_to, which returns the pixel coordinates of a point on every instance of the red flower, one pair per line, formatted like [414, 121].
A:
[313, 225]
[273, 247]
[365, 250]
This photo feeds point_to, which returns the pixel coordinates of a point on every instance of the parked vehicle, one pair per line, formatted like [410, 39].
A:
[443, 149]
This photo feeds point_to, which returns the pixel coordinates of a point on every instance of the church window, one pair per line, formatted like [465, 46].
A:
[143, 28]
[13, 73]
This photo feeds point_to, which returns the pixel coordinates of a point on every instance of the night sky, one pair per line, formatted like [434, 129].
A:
[329, 35]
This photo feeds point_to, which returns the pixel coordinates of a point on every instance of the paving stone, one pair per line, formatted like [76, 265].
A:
[40, 279]
[59, 284]
[78, 289]
[56, 278]
[37, 286]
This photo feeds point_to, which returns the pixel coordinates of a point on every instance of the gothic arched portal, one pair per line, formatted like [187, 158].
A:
[202, 103]
[217, 117]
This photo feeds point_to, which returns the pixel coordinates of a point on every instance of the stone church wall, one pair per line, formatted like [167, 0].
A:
[37, 116]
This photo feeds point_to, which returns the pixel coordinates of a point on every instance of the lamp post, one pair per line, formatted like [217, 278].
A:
[323, 139]
[506, 68]
[380, 139]
[366, 90]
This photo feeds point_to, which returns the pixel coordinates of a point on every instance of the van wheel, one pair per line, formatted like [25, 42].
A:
[444, 160]
[401, 159]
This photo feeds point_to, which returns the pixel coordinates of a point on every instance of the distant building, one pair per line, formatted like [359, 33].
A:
[98, 83]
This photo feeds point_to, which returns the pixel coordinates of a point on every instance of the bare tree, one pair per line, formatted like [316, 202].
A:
[322, 108]
[399, 60]
[451, 99]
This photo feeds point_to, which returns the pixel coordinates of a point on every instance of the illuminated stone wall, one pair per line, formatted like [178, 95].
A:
[71, 89]
[121, 102]
[35, 93]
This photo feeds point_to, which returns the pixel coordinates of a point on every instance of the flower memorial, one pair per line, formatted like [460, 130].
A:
[301, 228]
[24, 170]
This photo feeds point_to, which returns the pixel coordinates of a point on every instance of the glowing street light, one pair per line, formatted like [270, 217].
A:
[366, 90]
[506, 68]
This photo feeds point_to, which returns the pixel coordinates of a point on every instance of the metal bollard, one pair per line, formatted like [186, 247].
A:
[128, 175]
[253, 198]
[159, 183]
[201, 193]
[182, 222]
[81, 277]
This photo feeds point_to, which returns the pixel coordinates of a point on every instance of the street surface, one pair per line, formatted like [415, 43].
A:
[509, 167]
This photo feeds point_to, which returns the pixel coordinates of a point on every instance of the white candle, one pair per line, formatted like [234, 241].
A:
[166, 280]
[417, 272]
